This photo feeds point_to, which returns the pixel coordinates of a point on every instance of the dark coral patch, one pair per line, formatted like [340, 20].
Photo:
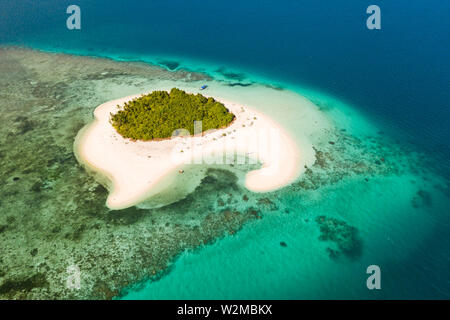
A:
[239, 84]
[126, 216]
[12, 286]
[421, 199]
[171, 65]
[231, 75]
[344, 237]
[267, 204]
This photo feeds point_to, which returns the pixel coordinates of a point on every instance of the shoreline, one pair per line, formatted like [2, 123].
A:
[134, 171]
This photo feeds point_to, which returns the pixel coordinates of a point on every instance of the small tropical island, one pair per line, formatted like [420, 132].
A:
[133, 147]
[158, 114]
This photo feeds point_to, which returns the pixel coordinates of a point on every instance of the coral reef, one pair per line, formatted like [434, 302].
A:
[45, 225]
[344, 237]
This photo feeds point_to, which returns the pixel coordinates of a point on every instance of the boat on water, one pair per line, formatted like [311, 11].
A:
[203, 87]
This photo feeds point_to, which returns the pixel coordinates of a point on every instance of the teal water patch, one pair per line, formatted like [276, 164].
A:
[290, 255]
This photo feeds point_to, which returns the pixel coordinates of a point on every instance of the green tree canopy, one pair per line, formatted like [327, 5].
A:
[158, 114]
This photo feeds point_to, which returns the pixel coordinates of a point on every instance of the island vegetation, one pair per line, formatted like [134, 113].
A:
[158, 114]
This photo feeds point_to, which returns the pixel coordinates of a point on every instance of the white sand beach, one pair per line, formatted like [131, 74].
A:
[135, 169]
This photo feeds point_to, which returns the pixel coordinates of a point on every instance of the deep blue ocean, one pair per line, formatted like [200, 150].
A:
[398, 76]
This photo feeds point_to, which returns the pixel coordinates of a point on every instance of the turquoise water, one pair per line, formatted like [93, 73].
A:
[253, 265]
[389, 95]
[396, 230]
